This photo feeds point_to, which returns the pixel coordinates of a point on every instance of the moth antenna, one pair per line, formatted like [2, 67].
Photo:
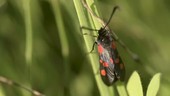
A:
[114, 10]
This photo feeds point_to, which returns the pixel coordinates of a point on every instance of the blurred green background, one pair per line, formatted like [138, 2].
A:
[57, 65]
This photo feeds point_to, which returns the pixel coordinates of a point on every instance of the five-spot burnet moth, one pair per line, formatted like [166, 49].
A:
[111, 66]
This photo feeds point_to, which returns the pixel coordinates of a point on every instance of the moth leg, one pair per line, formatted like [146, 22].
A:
[90, 35]
[93, 46]
[90, 29]
[86, 28]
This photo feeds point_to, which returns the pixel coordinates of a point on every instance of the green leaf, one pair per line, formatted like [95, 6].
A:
[153, 86]
[85, 19]
[121, 88]
[134, 86]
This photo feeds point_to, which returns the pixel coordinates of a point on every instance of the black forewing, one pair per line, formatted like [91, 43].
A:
[119, 65]
[110, 74]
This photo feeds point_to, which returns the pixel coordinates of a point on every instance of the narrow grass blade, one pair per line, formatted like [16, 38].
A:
[121, 89]
[86, 20]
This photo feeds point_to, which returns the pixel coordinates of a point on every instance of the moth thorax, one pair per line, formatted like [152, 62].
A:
[102, 32]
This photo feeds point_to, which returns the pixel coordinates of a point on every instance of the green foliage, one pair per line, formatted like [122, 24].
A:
[134, 85]
[104, 90]
[42, 46]
[154, 85]
[121, 89]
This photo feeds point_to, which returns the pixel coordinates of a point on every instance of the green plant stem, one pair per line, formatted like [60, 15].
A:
[64, 43]
[29, 37]
[93, 57]
[13, 83]
[28, 28]
[121, 89]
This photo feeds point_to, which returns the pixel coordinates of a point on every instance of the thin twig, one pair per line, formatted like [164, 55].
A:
[13, 83]
[91, 12]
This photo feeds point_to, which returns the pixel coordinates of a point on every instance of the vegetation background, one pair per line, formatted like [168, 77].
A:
[42, 47]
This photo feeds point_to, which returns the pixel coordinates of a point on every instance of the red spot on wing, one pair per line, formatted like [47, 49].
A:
[111, 60]
[100, 49]
[105, 64]
[103, 72]
[101, 61]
